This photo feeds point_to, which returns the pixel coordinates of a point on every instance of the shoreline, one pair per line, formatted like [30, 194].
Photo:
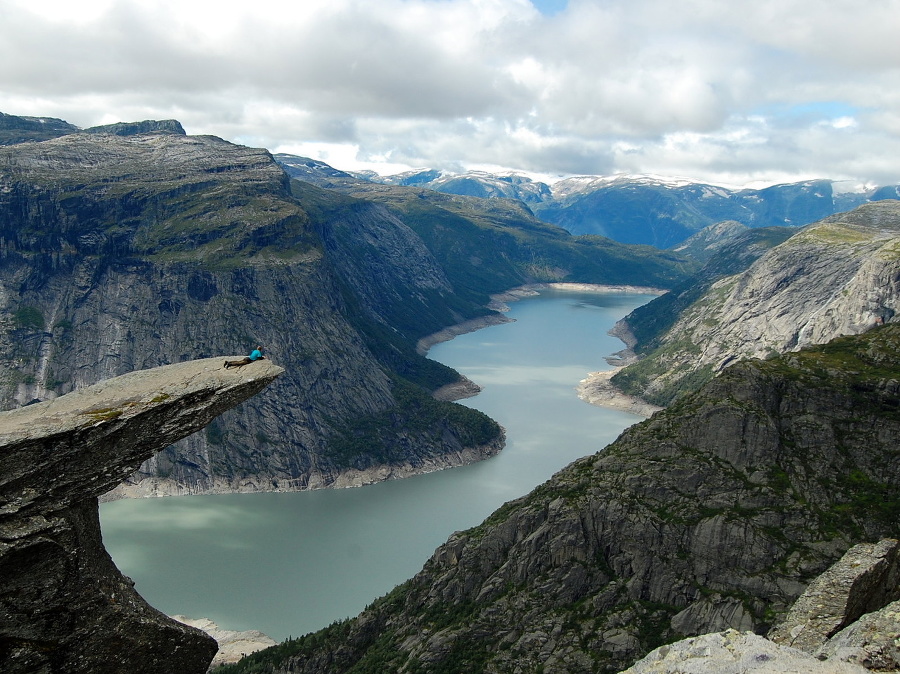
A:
[595, 389]
[448, 333]
[499, 303]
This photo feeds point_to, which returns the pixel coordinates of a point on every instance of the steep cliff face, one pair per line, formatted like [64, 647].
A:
[64, 607]
[714, 513]
[840, 276]
[129, 251]
[724, 251]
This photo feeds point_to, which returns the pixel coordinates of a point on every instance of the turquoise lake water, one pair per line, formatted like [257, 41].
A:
[288, 564]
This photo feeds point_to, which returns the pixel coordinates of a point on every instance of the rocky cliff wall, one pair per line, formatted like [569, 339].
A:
[715, 513]
[129, 251]
[64, 607]
[846, 621]
[840, 276]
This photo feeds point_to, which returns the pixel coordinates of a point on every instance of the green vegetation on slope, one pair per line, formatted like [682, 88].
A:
[491, 245]
[358, 442]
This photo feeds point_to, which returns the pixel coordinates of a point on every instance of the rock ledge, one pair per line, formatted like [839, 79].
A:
[64, 606]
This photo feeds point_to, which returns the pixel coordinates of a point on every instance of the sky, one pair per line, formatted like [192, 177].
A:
[721, 91]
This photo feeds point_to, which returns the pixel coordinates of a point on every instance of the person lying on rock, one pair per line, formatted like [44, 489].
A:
[256, 354]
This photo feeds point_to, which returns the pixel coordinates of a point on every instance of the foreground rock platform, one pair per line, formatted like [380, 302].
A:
[64, 606]
[733, 652]
[855, 596]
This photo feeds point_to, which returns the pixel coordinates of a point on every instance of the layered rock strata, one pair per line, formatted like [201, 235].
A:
[64, 606]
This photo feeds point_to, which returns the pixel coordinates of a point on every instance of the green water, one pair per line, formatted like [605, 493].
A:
[288, 564]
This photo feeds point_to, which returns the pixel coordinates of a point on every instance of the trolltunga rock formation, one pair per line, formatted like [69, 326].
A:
[64, 606]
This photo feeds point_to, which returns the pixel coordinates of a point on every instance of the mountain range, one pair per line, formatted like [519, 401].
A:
[645, 209]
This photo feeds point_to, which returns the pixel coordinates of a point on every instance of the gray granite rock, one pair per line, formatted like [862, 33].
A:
[64, 606]
[733, 652]
[873, 641]
[865, 579]
[835, 277]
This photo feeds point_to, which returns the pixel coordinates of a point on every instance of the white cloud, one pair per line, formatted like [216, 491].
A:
[703, 88]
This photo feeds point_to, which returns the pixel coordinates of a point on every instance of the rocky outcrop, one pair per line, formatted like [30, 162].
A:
[864, 580]
[851, 595]
[64, 607]
[840, 276]
[871, 641]
[851, 613]
[733, 652]
[715, 513]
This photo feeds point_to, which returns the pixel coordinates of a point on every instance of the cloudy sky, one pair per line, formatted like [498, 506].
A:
[718, 90]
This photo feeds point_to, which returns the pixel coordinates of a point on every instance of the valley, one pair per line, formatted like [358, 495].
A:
[772, 351]
[292, 563]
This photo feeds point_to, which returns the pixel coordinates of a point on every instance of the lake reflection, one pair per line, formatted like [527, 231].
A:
[288, 564]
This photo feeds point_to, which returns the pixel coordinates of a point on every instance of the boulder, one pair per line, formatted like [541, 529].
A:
[872, 641]
[733, 652]
[865, 579]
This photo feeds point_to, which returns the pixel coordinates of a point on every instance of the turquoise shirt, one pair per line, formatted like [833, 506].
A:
[256, 354]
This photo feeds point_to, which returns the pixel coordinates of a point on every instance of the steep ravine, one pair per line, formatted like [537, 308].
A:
[714, 513]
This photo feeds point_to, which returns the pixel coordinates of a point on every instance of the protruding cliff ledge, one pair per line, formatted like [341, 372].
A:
[64, 606]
